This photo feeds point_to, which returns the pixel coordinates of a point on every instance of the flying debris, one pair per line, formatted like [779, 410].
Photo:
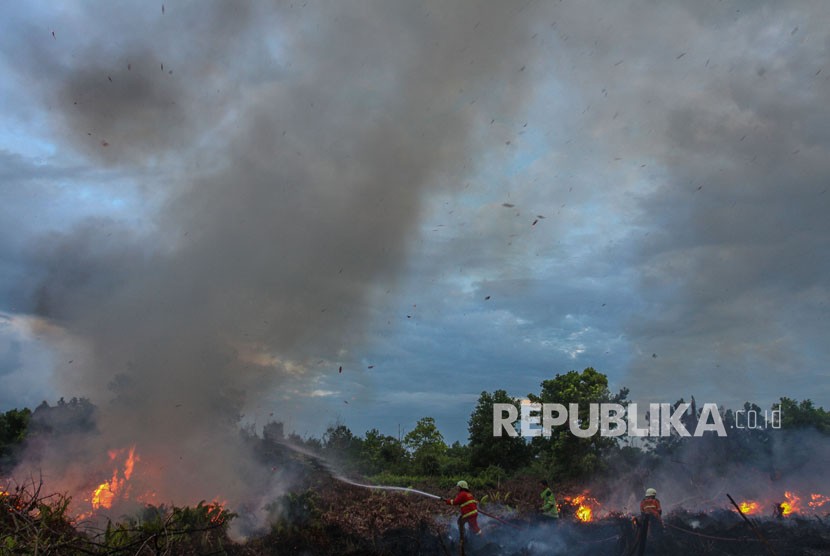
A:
[53, 36]
[654, 355]
[486, 298]
[680, 55]
[370, 367]
[507, 205]
[104, 143]
[162, 9]
[340, 370]
[534, 222]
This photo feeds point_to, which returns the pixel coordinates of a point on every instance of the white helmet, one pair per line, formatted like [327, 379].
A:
[651, 492]
[462, 484]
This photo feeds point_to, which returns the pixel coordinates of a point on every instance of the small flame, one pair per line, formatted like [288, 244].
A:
[750, 507]
[215, 512]
[818, 500]
[583, 503]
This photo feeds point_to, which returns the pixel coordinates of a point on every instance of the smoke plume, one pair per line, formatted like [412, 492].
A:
[284, 151]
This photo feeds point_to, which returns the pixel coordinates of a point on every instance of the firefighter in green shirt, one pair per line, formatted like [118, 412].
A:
[549, 508]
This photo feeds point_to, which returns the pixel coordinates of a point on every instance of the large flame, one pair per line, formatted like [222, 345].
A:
[792, 505]
[118, 489]
[118, 486]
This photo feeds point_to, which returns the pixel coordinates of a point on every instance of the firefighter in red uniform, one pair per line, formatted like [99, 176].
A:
[650, 510]
[650, 505]
[468, 506]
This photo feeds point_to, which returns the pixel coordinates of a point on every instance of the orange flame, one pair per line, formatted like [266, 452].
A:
[750, 507]
[214, 512]
[791, 505]
[584, 513]
[116, 488]
[584, 506]
[818, 500]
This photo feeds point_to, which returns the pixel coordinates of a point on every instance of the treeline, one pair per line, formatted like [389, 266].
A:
[423, 451]
[487, 459]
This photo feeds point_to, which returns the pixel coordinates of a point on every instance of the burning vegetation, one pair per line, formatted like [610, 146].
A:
[118, 503]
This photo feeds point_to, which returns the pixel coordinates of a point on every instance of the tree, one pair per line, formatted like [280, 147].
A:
[456, 461]
[507, 452]
[803, 415]
[380, 453]
[568, 455]
[77, 415]
[426, 444]
[340, 444]
[13, 428]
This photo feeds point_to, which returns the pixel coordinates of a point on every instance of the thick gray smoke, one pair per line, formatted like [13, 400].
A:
[288, 147]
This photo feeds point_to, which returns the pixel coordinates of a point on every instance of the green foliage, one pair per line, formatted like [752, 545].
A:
[486, 449]
[382, 453]
[426, 444]
[339, 444]
[456, 460]
[33, 523]
[565, 454]
[495, 497]
[804, 415]
[30, 522]
[293, 512]
[13, 429]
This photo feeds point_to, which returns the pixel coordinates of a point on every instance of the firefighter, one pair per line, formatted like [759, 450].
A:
[549, 507]
[650, 510]
[650, 506]
[468, 506]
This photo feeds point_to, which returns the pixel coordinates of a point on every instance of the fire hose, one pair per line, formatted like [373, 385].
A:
[422, 493]
[500, 520]
[341, 478]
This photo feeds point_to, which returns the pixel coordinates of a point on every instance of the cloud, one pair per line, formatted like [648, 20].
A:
[292, 149]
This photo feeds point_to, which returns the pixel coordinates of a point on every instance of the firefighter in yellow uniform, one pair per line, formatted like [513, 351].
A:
[549, 507]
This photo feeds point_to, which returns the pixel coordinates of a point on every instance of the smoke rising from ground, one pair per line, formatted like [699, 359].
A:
[291, 146]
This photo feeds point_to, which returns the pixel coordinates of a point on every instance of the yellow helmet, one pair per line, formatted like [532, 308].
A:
[462, 484]
[651, 492]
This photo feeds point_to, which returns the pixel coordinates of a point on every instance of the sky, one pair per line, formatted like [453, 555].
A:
[369, 212]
